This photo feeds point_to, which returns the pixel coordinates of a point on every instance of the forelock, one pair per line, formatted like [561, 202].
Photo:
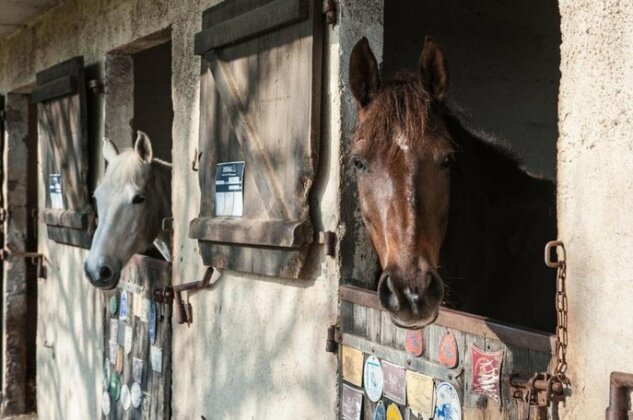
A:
[126, 168]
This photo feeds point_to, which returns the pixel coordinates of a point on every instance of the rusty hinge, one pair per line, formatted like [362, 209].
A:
[330, 11]
[329, 240]
[183, 308]
[333, 339]
[37, 259]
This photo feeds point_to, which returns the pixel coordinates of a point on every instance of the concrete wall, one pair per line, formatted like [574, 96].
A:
[503, 57]
[256, 347]
[595, 151]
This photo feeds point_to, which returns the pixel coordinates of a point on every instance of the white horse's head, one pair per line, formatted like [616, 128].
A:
[132, 199]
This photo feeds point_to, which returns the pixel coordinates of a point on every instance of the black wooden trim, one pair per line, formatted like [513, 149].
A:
[245, 232]
[71, 67]
[65, 218]
[57, 88]
[263, 19]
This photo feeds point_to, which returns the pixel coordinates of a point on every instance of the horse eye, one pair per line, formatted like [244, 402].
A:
[138, 198]
[359, 163]
[447, 161]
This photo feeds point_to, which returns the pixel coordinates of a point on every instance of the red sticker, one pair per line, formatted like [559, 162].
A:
[414, 342]
[448, 355]
[486, 371]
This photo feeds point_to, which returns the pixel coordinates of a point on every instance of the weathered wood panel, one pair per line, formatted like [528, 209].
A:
[361, 312]
[260, 103]
[63, 132]
[138, 280]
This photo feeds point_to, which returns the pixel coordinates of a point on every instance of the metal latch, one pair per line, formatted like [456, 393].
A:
[540, 390]
[36, 258]
[333, 339]
[183, 309]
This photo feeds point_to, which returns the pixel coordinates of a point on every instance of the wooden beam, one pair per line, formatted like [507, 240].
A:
[57, 88]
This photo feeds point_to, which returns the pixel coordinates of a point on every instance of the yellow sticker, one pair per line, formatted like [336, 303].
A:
[352, 360]
[393, 412]
[420, 392]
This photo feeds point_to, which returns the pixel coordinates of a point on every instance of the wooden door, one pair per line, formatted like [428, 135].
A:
[63, 132]
[260, 103]
[137, 344]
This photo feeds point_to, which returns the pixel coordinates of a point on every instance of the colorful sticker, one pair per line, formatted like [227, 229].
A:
[420, 394]
[118, 366]
[352, 361]
[115, 386]
[486, 371]
[106, 404]
[447, 404]
[414, 342]
[129, 333]
[380, 412]
[137, 369]
[352, 403]
[393, 412]
[156, 359]
[123, 306]
[152, 323]
[373, 378]
[114, 304]
[395, 379]
[136, 395]
[448, 355]
[126, 401]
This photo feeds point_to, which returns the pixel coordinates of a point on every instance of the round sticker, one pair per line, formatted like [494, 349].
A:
[372, 378]
[114, 304]
[414, 342]
[447, 405]
[379, 412]
[105, 403]
[115, 386]
[137, 395]
[125, 397]
[393, 412]
[123, 307]
[106, 372]
[152, 323]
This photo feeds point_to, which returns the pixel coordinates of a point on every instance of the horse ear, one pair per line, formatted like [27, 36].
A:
[109, 150]
[433, 69]
[143, 147]
[364, 76]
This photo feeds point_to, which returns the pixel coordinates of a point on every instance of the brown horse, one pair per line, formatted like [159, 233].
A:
[452, 216]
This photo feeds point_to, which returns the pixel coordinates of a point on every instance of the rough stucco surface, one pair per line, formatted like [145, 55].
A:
[256, 347]
[594, 195]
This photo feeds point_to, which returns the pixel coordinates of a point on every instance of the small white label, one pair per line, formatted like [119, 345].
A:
[55, 191]
[114, 329]
[137, 395]
[144, 315]
[129, 332]
[156, 359]
[229, 189]
[125, 397]
[105, 403]
[137, 369]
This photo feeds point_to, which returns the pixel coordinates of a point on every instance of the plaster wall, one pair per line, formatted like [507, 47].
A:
[595, 151]
[256, 347]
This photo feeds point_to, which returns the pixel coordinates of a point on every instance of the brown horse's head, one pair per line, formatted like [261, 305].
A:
[402, 153]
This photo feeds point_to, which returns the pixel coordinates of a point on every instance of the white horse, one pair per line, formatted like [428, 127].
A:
[132, 200]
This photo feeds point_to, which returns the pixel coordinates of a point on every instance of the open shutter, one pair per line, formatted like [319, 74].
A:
[260, 103]
[62, 125]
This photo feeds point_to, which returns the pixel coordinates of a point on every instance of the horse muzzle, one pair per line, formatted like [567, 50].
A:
[412, 302]
[104, 275]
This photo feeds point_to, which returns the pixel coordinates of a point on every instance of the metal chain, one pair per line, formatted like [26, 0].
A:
[560, 368]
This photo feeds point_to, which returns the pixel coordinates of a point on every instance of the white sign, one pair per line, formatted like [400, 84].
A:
[229, 189]
[156, 359]
[129, 332]
[372, 378]
[447, 405]
[137, 395]
[55, 191]
[126, 400]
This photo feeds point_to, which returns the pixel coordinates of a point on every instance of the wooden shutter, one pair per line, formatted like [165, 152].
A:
[62, 125]
[260, 103]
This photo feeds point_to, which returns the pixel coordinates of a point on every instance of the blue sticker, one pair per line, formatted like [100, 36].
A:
[379, 412]
[152, 323]
[123, 306]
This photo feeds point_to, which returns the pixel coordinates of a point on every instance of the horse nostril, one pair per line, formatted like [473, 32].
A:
[105, 272]
[387, 293]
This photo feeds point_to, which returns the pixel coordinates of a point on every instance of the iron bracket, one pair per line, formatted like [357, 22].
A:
[183, 310]
[36, 258]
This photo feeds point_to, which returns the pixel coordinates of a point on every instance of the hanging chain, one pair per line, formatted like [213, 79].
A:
[560, 368]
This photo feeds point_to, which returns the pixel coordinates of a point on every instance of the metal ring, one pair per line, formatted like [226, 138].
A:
[548, 254]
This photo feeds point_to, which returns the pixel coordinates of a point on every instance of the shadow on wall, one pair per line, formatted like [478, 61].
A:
[504, 59]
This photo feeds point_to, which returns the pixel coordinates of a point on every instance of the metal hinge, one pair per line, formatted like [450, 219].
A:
[169, 295]
[333, 339]
[36, 258]
[330, 11]
[329, 240]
